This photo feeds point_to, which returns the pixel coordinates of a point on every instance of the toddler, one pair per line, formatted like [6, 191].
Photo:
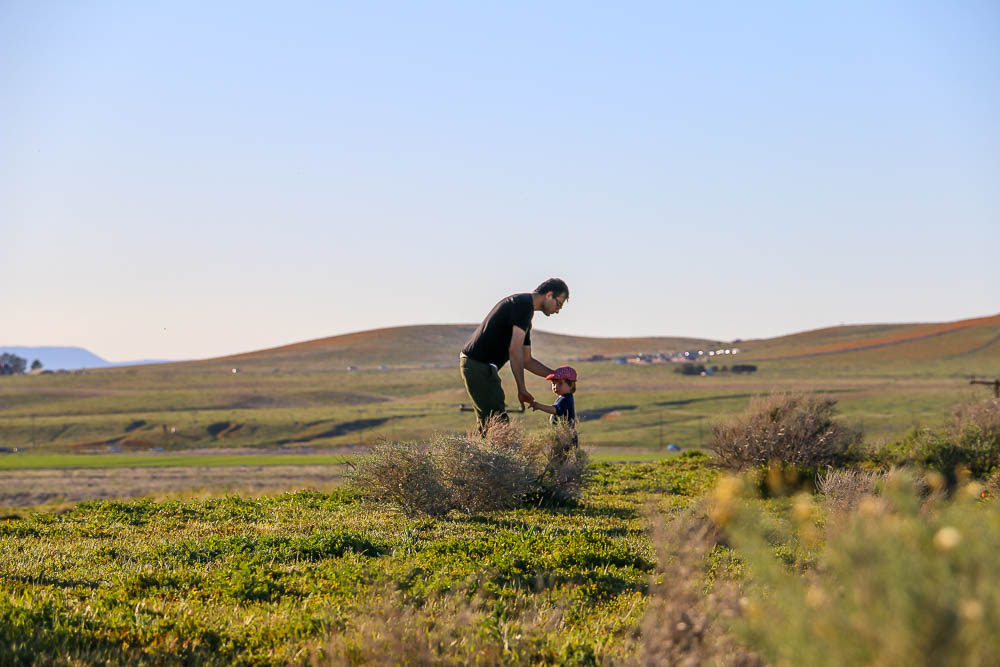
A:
[563, 385]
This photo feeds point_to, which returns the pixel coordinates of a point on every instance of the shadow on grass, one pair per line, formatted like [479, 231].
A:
[50, 581]
[703, 399]
[726, 397]
[597, 413]
[513, 525]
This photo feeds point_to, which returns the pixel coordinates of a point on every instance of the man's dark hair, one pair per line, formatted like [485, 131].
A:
[554, 285]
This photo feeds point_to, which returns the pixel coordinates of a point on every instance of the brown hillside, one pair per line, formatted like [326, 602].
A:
[434, 345]
[438, 345]
[925, 341]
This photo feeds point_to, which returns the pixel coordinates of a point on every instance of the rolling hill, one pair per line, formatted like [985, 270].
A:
[977, 338]
[433, 345]
[438, 346]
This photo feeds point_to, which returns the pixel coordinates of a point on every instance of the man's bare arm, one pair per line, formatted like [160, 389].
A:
[517, 357]
[534, 365]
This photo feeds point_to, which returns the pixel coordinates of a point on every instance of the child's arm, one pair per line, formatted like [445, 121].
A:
[551, 409]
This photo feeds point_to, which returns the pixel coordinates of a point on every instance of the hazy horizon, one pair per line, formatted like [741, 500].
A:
[4, 347]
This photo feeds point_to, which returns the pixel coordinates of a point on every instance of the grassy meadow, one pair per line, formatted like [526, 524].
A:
[238, 580]
[893, 378]
[671, 562]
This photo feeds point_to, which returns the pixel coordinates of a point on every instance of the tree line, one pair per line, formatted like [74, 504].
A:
[11, 364]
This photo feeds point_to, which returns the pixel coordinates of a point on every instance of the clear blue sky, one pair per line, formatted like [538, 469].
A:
[187, 179]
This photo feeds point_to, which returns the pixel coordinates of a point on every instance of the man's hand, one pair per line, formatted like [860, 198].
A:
[524, 397]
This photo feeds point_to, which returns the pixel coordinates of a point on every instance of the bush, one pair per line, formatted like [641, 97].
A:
[563, 468]
[893, 584]
[979, 420]
[482, 476]
[971, 443]
[403, 474]
[844, 489]
[792, 429]
[473, 474]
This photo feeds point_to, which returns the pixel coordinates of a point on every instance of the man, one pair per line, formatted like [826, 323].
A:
[505, 335]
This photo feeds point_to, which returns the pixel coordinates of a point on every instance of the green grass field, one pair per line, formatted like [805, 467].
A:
[302, 395]
[331, 579]
[645, 407]
[241, 580]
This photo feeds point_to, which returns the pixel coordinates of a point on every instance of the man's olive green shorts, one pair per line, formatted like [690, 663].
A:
[482, 381]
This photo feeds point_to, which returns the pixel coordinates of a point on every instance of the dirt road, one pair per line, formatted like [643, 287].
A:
[25, 488]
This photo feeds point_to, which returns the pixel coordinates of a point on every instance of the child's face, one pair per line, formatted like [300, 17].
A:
[561, 387]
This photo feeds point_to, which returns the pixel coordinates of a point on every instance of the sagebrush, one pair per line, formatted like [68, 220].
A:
[470, 473]
[792, 429]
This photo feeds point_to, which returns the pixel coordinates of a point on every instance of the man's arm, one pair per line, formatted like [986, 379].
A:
[517, 359]
[534, 365]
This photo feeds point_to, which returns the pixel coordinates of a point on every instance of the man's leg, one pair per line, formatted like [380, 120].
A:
[482, 382]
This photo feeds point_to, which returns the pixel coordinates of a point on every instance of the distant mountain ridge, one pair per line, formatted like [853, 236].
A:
[67, 358]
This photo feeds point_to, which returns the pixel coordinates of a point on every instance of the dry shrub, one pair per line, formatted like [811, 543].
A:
[482, 476]
[969, 445]
[794, 429]
[992, 485]
[452, 629]
[562, 467]
[983, 416]
[844, 489]
[683, 625]
[405, 475]
[475, 474]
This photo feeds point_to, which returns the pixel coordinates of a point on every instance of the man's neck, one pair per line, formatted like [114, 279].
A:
[537, 300]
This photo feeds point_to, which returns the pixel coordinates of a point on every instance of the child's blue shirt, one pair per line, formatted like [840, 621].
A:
[565, 409]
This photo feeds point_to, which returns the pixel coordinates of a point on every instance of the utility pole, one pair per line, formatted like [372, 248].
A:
[661, 429]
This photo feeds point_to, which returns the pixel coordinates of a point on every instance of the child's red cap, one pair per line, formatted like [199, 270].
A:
[563, 373]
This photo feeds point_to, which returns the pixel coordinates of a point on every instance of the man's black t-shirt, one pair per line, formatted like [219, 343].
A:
[490, 342]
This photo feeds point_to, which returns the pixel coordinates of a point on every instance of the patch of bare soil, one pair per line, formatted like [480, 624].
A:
[27, 488]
